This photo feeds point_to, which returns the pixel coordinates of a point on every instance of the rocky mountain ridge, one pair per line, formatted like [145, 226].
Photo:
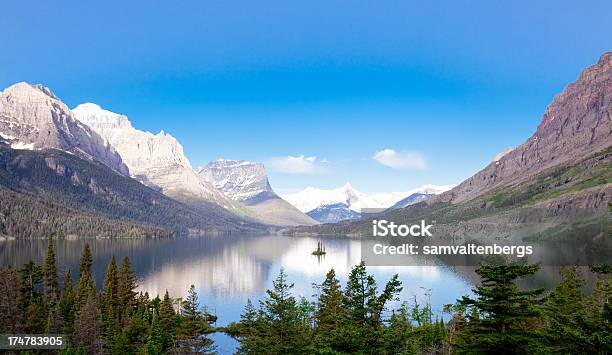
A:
[157, 160]
[32, 117]
[578, 122]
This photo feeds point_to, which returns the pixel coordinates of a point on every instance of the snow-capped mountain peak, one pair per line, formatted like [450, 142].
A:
[312, 198]
[98, 118]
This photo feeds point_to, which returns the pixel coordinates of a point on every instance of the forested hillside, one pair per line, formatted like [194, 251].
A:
[22, 216]
[71, 184]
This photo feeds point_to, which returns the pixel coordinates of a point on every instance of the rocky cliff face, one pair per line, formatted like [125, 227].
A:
[576, 124]
[247, 183]
[32, 117]
[157, 160]
[239, 180]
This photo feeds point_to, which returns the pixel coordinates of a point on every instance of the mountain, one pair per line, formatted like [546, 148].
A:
[157, 160]
[346, 202]
[556, 185]
[247, 182]
[577, 123]
[333, 213]
[53, 192]
[239, 180]
[32, 117]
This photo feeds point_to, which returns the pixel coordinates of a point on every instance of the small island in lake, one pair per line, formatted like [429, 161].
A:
[320, 249]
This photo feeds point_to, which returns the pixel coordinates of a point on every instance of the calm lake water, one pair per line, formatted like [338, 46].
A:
[227, 271]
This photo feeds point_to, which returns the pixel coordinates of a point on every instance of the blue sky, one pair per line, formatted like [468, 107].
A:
[444, 85]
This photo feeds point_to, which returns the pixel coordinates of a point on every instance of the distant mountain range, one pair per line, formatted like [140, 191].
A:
[346, 202]
[558, 184]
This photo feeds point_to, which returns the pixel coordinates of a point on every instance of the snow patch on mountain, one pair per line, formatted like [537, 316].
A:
[501, 154]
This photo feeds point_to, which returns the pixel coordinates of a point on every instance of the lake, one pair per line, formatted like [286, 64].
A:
[229, 270]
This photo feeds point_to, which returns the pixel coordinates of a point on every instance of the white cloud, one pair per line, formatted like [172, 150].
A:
[400, 160]
[296, 165]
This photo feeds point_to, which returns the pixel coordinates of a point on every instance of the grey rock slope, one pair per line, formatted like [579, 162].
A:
[32, 117]
[247, 182]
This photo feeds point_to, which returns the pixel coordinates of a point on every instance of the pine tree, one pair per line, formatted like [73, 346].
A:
[50, 278]
[565, 311]
[155, 343]
[67, 305]
[359, 300]
[190, 306]
[31, 300]
[126, 291]
[248, 318]
[193, 325]
[86, 285]
[280, 312]
[88, 327]
[600, 312]
[390, 293]
[55, 321]
[30, 276]
[398, 337]
[501, 314]
[360, 294]
[330, 315]
[110, 304]
[11, 320]
[36, 316]
[167, 322]
[251, 331]
[136, 333]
